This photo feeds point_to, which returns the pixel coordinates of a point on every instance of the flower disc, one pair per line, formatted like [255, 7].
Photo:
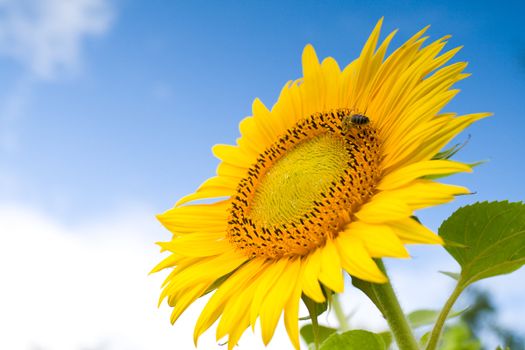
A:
[305, 188]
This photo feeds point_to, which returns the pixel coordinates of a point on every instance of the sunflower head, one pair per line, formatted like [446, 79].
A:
[319, 185]
[305, 188]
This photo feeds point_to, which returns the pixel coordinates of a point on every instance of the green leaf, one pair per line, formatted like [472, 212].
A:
[423, 341]
[426, 317]
[459, 337]
[354, 340]
[494, 238]
[307, 333]
[420, 318]
[387, 338]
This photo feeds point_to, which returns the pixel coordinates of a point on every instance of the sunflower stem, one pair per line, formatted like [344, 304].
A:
[339, 313]
[383, 295]
[438, 327]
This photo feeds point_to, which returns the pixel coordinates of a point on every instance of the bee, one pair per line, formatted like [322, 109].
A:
[353, 120]
[359, 119]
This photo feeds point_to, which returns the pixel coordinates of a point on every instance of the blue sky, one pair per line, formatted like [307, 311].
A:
[167, 80]
[112, 105]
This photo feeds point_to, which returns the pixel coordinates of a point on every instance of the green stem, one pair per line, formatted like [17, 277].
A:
[384, 297]
[339, 313]
[315, 329]
[312, 310]
[438, 327]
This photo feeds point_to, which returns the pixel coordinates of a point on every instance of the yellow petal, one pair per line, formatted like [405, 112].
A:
[420, 147]
[229, 170]
[313, 87]
[412, 118]
[389, 83]
[182, 263]
[170, 261]
[332, 74]
[195, 218]
[277, 296]
[215, 211]
[207, 270]
[414, 171]
[366, 63]
[423, 193]
[198, 244]
[234, 313]
[437, 142]
[410, 231]
[186, 299]
[263, 118]
[236, 333]
[291, 310]
[413, 139]
[252, 137]
[271, 274]
[331, 274]
[218, 186]
[229, 289]
[377, 64]
[379, 240]
[233, 155]
[311, 67]
[289, 109]
[383, 209]
[310, 277]
[421, 103]
[356, 260]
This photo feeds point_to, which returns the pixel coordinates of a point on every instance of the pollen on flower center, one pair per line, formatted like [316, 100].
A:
[306, 186]
[290, 187]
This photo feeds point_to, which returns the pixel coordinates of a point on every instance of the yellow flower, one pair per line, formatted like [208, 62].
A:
[320, 184]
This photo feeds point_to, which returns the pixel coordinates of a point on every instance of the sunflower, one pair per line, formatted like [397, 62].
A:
[322, 183]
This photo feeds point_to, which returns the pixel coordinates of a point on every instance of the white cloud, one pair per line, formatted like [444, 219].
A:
[87, 287]
[78, 288]
[46, 35]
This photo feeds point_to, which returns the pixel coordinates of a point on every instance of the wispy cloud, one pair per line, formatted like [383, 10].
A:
[46, 36]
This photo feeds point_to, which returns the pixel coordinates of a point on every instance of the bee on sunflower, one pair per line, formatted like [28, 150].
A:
[323, 183]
